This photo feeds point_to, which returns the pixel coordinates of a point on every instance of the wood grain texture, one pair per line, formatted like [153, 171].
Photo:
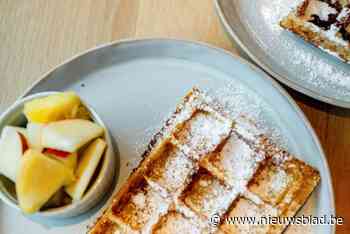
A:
[37, 35]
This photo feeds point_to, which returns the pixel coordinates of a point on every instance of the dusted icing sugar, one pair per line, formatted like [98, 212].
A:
[322, 9]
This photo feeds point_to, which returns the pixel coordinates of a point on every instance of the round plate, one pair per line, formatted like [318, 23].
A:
[254, 25]
[134, 85]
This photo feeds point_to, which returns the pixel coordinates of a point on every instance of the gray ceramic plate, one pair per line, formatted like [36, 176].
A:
[254, 26]
[134, 85]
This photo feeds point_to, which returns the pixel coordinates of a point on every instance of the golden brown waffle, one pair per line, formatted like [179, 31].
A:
[324, 23]
[201, 165]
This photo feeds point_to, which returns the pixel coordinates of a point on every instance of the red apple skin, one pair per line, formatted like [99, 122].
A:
[24, 143]
[58, 153]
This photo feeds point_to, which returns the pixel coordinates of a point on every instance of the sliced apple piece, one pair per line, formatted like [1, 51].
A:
[34, 133]
[70, 135]
[83, 113]
[86, 167]
[11, 151]
[70, 161]
[39, 177]
[57, 153]
[24, 142]
[57, 200]
[23, 131]
[52, 108]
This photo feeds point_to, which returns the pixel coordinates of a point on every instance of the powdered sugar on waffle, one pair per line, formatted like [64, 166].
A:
[290, 56]
[236, 163]
[202, 134]
[322, 9]
[201, 124]
[279, 181]
[176, 221]
[234, 101]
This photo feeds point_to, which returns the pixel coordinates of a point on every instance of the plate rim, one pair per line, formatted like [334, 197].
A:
[255, 68]
[269, 70]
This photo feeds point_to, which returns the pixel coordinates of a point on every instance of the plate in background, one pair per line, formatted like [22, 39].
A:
[135, 85]
[254, 25]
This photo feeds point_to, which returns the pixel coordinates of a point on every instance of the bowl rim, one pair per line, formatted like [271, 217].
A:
[104, 171]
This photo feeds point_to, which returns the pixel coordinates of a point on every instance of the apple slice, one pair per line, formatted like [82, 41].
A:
[86, 167]
[70, 135]
[24, 142]
[23, 131]
[11, 151]
[34, 132]
[70, 161]
[57, 153]
[38, 178]
[52, 108]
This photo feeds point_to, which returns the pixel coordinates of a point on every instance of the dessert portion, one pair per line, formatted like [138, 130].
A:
[170, 170]
[139, 207]
[244, 207]
[50, 162]
[201, 165]
[207, 195]
[177, 221]
[324, 23]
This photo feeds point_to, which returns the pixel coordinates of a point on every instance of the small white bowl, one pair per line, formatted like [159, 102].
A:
[14, 116]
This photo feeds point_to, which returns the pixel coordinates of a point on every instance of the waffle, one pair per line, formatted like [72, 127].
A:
[324, 23]
[202, 164]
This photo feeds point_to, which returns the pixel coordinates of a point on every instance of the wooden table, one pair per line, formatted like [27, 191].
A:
[37, 35]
